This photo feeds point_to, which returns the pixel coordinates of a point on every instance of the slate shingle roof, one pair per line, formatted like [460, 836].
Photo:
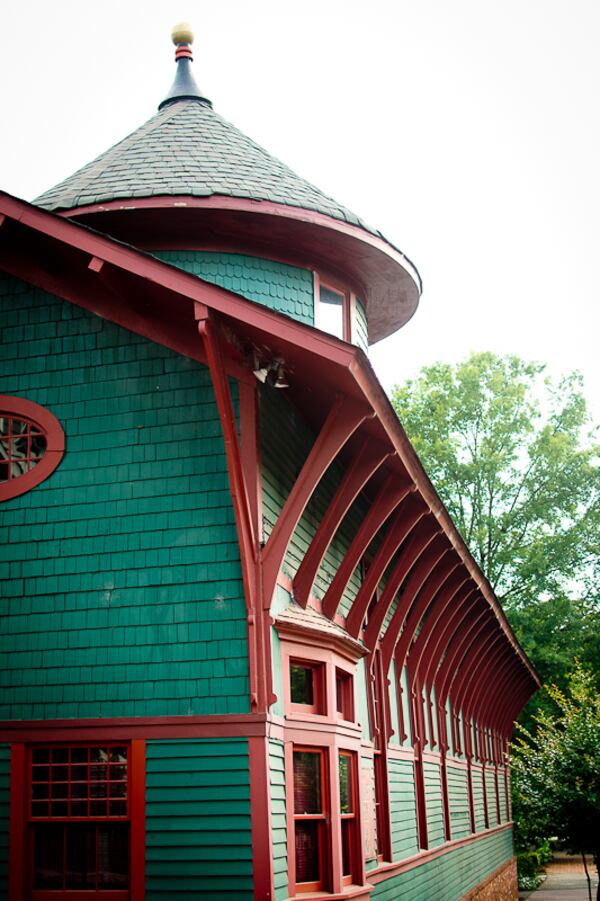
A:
[189, 149]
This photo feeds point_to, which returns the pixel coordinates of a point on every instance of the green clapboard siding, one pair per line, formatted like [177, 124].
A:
[502, 789]
[280, 287]
[403, 810]
[490, 791]
[450, 876]
[478, 800]
[434, 803]
[4, 817]
[198, 834]
[122, 591]
[458, 798]
[285, 444]
[278, 818]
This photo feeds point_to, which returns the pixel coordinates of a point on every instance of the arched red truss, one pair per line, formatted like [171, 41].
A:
[51, 429]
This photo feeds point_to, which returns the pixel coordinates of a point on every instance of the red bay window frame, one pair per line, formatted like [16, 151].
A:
[353, 822]
[21, 829]
[319, 680]
[323, 819]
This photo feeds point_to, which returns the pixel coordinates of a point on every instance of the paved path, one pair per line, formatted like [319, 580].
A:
[565, 881]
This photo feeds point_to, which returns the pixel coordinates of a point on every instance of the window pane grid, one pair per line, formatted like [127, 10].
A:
[79, 782]
[22, 446]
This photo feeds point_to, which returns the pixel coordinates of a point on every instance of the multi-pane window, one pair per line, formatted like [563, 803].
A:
[310, 818]
[344, 695]
[350, 844]
[307, 687]
[79, 820]
[22, 446]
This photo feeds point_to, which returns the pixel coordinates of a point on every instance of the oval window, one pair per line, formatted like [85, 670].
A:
[32, 444]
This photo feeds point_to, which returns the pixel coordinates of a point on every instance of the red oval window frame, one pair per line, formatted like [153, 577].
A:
[55, 444]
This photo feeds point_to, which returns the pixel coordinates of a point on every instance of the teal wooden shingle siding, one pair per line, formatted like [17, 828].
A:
[458, 799]
[287, 289]
[122, 591]
[278, 819]
[4, 816]
[198, 835]
[434, 803]
[450, 876]
[403, 809]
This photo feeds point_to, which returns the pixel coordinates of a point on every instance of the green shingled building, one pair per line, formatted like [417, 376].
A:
[245, 652]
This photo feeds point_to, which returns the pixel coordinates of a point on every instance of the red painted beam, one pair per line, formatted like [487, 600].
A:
[344, 417]
[392, 493]
[449, 603]
[365, 463]
[425, 567]
[405, 520]
[421, 536]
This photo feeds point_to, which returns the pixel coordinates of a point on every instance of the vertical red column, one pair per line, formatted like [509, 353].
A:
[260, 813]
[16, 886]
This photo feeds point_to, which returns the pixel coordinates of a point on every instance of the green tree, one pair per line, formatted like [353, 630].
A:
[556, 770]
[513, 457]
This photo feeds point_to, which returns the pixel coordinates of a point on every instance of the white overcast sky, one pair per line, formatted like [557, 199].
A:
[466, 131]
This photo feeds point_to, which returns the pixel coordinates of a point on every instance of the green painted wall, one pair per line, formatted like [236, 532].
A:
[502, 790]
[280, 287]
[403, 810]
[121, 592]
[434, 803]
[4, 816]
[450, 876]
[458, 799]
[478, 801]
[490, 790]
[278, 818]
[198, 833]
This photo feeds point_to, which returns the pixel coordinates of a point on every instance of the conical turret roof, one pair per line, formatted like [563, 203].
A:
[189, 149]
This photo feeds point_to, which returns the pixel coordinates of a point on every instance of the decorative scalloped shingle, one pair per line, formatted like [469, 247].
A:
[189, 149]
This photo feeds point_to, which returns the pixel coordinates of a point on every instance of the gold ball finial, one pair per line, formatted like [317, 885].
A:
[182, 34]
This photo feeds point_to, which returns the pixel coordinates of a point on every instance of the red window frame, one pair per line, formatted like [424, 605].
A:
[44, 423]
[317, 671]
[23, 821]
[344, 695]
[321, 818]
[349, 822]
[348, 302]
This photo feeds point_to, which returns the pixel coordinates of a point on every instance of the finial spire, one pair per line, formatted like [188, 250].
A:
[184, 86]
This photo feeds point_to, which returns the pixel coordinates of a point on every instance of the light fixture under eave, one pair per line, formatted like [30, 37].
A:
[280, 379]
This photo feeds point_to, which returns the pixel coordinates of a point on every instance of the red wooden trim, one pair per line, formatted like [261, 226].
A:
[137, 828]
[344, 417]
[96, 264]
[259, 671]
[365, 462]
[138, 727]
[404, 521]
[55, 444]
[459, 646]
[250, 453]
[433, 551]
[388, 871]
[263, 207]
[260, 812]
[18, 783]
[392, 492]
[426, 650]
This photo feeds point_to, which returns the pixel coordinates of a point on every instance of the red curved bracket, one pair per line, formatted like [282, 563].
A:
[367, 461]
[454, 591]
[52, 430]
[391, 494]
[404, 521]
